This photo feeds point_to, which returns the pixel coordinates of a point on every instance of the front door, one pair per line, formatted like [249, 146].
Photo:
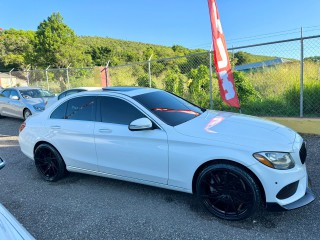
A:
[139, 155]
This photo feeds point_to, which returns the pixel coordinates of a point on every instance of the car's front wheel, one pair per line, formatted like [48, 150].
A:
[49, 163]
[228, 191]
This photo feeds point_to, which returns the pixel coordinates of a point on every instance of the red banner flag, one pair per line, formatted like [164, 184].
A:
[221, 59]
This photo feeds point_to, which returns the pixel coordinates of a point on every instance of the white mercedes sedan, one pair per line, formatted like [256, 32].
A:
[234, 163]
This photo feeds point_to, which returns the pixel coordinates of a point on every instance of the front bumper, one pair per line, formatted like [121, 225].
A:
[306, 199]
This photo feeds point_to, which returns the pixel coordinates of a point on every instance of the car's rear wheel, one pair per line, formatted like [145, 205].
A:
[49, 163]
[26, 113]
[228, 192]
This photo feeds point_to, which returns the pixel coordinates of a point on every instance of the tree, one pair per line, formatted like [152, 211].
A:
[174, 83]
[245, 89]
[15, 48]
[199, 87]
[144, 81]
[56, 45]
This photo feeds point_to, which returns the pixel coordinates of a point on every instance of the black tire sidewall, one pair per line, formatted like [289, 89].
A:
[246, 177]
[24, 113]
[61, 167]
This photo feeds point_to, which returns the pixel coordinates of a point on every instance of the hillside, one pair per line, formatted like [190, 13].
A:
[122, 51]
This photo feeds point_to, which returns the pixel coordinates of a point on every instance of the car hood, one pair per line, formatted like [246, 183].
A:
[10, 228]
[34, 101]
[238, 129]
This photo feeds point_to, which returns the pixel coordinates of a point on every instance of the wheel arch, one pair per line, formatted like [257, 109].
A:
[25, 109]
[43, 142]
[217, 161]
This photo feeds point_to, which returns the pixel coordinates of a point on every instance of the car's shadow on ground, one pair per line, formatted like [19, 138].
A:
[262, 220]
[10, 126]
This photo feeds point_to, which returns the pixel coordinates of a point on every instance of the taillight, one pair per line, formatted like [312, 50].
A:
[22, 126]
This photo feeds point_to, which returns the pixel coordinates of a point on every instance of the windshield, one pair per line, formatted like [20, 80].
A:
[170, 108]
[46, 93]
[35, 93]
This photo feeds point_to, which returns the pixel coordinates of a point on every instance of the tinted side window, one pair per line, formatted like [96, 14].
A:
[14, 93]
[59, 112]
[114, 110]
[6, 93]
[81, 108]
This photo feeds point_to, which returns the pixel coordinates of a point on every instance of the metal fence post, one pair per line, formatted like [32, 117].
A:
[28, 80]
[149, 70]
[47, 77]
[10, 77]
[68, 76]
[301, 76]
[27, 75]
[210, 68]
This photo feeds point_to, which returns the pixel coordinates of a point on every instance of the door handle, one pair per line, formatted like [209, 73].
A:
[55, 127]
[105, 130]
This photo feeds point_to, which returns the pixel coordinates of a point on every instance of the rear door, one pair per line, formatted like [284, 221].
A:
[71, 131]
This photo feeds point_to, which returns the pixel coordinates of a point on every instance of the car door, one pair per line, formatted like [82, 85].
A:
[71, 132]
[139, 155]
[4, 101]
[15, 107]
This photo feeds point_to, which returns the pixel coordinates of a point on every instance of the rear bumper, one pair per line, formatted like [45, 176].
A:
[306, 199]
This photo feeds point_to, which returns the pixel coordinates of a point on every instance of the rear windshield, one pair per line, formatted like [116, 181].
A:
[170, 108]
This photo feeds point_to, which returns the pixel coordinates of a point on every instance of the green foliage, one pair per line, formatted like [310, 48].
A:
[311, 97]
[144, 81]
[245, 89]
[15, 48]
[313, 59]
[99, 54]
[56, 45]
[174, 83]
[241, 58]
[199, 87]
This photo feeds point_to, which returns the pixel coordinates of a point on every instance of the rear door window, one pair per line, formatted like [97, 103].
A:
[80, 108]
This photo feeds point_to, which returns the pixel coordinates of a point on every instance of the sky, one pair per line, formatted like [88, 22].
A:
[171, 22]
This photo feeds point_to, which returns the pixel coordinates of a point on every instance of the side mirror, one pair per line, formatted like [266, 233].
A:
[2, 163]
[15, 98]
[140, 124]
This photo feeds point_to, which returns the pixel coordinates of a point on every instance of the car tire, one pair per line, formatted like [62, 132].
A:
[228, 192]
[26, 113]
[49, 163]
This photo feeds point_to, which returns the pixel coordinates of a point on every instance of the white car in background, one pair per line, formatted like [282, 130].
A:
[234, 163]
[68, 92]
[21, 102]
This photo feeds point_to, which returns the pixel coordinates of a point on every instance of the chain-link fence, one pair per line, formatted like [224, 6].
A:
[55, 80]
[273, 79]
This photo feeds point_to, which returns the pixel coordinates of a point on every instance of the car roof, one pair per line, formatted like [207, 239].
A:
[83, 88]
[24, 88]
[127, 91]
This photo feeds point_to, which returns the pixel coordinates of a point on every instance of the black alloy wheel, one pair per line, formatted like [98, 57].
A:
[49, 163]
[26, 113]
[228, 192]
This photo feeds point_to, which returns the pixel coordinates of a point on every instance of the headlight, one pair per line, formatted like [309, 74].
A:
[38, 108]
[277, 160]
